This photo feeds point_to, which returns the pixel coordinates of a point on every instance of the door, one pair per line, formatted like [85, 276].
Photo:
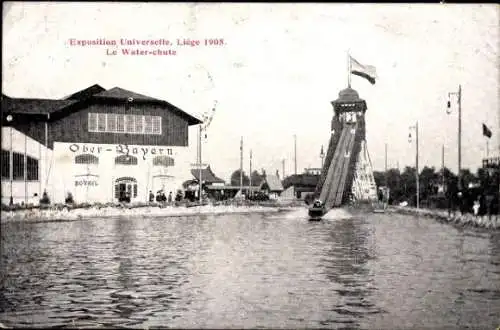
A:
[125, 189]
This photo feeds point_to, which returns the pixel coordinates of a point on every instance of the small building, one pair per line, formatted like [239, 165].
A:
[300, 185]
[96, 144]
[271, 185]
[211, 183]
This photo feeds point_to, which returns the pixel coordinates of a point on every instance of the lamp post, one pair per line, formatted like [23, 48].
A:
[448, 111]
[295, 151]
[11, 158]
[415, 127]
[322, 156]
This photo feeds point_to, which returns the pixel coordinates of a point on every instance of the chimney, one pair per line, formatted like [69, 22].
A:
[278, 174]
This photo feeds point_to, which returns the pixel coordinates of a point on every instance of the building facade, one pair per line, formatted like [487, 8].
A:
[98, 145]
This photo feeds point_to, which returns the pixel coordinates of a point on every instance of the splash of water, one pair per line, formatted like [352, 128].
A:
[337, 214]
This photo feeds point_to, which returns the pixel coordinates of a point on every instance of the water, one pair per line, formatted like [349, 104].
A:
[249, 271]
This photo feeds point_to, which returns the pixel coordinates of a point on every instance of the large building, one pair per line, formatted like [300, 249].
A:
[96, 144]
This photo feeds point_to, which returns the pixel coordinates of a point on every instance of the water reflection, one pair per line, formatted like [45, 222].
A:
[249, 271]
[346, 266]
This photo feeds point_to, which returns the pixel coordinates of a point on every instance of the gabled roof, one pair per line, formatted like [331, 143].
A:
[86, 93]
[206, 175]
[117, 93]
[120, 93]
[273, 183]
[33, 106]
[94, 92]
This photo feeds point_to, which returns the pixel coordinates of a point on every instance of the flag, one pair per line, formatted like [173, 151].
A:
[486, 131]
[366, 71]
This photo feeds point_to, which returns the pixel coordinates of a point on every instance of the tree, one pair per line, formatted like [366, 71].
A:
[235, 178]
[394, 183]
[408, 182]
[256, 178]
[428, 180]
[379, 178]
[467, 177]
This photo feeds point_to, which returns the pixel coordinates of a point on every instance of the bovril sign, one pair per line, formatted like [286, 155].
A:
[86, 183]
[122, 149]
[87, 180]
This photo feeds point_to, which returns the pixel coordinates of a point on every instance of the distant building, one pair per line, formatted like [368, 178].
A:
[299, 185]
[210, 182]
[271, 185]
[99, 145]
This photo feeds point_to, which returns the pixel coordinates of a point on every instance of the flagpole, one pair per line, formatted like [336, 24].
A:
[348, 69]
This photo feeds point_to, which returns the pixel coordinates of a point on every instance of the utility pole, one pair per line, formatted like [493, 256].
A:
[460, 134]
[385, 165]
[448, 111]
[442, 168]
[295, 151]
[416, 162]
[11, 159]
[250, 192]
[418, 174]
[241, 165]
[322, 156]
[199, 163]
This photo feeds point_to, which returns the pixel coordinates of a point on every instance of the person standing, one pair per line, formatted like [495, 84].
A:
[475, 207]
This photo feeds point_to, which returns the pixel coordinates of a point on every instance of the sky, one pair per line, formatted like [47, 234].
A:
[277, 71]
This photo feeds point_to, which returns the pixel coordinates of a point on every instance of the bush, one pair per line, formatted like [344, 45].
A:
[69, 199]
[45, 198]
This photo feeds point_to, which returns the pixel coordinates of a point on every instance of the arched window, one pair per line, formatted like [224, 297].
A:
[163, 161]
[125, 185]
[126, 160]
[86, 159]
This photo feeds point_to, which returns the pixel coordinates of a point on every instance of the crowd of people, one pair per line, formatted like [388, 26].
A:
[161, 197]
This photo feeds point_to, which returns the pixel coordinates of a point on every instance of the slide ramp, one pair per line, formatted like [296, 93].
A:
[333, 188]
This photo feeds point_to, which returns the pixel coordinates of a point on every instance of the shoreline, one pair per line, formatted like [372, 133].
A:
[35, 215]
[457, 219]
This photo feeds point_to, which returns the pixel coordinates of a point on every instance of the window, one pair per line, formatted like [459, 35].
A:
[156, 125]
[5, 164]
[139, 124]
[18, 166]
[111, 123]
[92, 122]
[148, 125]
[101, 122]
[129, 124]
[163, 161]
[126, 160]
[86, 159]
[32, 169]
[118, 123]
